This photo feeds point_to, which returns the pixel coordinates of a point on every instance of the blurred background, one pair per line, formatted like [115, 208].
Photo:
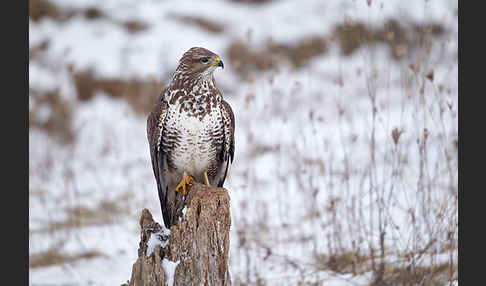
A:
[346, 162]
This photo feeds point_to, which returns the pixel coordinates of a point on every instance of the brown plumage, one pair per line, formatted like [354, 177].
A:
[190, 131]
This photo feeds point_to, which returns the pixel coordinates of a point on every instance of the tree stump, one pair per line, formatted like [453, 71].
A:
[197, 246]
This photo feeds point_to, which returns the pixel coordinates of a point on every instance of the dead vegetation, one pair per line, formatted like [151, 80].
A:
[348, 262]
[200, 22]
[36, 51]
[93, 13]
[135, 26]
[343, 262]
[363, 233]
[52, 114]
[105, 212]
[40, 9]
[45, 9]
[140, 94]
[54, 256]
[351, 36]
[417, 275]
[402, 38]
[301, 53]
[247, 62]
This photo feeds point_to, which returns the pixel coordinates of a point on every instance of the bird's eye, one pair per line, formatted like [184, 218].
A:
[204, 60]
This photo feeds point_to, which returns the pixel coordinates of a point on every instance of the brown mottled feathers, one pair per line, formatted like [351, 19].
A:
[157, 155]
[229, 146]
[190, 129]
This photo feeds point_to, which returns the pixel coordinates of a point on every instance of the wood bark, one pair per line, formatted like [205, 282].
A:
[199, 242]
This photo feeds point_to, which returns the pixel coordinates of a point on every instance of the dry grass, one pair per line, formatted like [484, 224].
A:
[135, 26]
[343, 262]
[54, 256]
[401, 37]
[140, 94]
[200, 22]
[39, 9]
[300, 53]
[58, 123]
[45, 9]
[36, 51]
[361, 219]
[93, 13]
[418, 275]
[259, 150]
[349, 262]
[105, 212]
[248, 62]
[351, 36]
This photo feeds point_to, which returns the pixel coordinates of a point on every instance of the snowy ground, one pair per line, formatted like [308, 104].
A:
[320, 175]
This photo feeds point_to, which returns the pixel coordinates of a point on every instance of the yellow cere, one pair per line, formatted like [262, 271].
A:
[217, 61]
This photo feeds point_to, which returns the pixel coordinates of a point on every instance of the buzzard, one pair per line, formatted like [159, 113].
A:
[190, 131]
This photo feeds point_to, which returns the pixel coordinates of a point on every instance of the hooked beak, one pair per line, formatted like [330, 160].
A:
[219, 63]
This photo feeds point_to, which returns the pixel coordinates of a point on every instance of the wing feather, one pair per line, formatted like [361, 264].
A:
[229, 140]
[155, 130]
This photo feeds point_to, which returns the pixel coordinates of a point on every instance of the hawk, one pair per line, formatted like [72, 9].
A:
[190, 131]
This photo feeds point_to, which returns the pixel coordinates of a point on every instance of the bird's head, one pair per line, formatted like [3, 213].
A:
[199, 61]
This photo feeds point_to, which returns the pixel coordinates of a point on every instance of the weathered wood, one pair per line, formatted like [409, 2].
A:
[199, 242]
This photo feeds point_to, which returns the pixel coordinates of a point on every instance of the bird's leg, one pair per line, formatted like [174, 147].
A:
[206, 178]
[186, 180]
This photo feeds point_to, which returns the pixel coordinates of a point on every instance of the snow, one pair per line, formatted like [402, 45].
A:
[169, 270]
[302, 141]
[157, 238]
[184, 210]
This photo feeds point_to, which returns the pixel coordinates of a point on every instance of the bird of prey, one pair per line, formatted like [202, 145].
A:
[190, 131]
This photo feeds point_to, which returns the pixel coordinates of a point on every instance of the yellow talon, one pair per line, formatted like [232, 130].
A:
[186, 180]
[206, 178]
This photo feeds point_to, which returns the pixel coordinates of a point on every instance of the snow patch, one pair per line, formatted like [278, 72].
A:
[169, 270]
[184, 210]
[157, 238]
